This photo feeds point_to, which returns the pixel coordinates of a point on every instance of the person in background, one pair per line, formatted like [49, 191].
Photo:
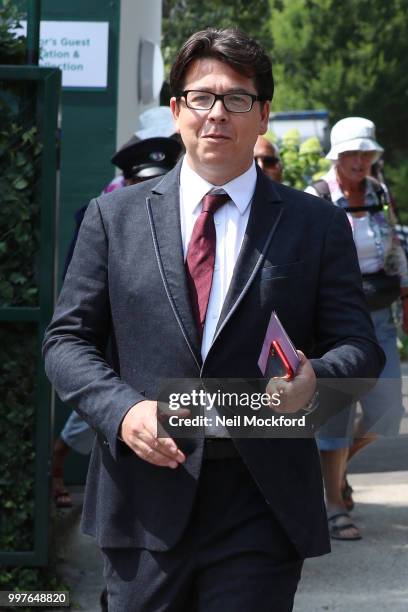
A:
[139, 160]
[155, 122]
[385, 277]
[266, 155]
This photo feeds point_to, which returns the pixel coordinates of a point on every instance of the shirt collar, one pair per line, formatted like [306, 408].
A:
[194, 187]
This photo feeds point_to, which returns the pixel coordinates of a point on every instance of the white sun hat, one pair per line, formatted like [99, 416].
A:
[353, 134]
[156, 122]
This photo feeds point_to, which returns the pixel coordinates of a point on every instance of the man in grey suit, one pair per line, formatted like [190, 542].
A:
[176, 279]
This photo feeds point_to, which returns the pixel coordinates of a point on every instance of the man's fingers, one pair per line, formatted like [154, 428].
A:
[149, 454]
[140, 429]
[293, 394]
[164, 412]
[302, 356]
[165, 446]
[277, 385]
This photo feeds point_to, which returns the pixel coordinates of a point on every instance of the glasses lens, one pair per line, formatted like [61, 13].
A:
[201, 100]
[268, 160]
[238, 103]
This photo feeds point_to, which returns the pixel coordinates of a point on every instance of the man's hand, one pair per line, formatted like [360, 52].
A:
[139, 431]
[296, 393]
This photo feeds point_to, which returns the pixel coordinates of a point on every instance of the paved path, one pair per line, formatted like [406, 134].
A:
[370, 575]
[79, 561]
[364, 576]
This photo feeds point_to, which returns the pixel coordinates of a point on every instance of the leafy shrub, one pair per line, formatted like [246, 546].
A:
[302, 162]
[397, 177]
[12, 48]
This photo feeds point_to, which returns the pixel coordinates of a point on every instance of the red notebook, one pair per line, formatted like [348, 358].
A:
[278, 357]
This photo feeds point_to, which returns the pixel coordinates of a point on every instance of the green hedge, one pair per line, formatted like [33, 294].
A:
[20, 154]
[18, 351]
[19, 245]
[19, 219]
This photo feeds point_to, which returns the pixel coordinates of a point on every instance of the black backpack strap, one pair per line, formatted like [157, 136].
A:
[384, 202]
[371, 209]
[322, 189]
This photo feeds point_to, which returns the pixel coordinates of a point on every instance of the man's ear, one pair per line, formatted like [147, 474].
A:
[175, 109]
[265, 108]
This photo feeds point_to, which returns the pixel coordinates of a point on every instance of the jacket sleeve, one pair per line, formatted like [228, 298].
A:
[346, 342]
[348, 358]
[76, 339]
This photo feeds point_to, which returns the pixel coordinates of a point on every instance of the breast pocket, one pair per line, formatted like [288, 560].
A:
[289, 270]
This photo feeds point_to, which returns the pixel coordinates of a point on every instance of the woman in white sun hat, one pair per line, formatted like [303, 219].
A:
[348, 184]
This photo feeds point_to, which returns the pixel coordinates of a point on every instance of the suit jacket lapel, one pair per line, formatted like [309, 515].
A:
[164, 213]
[266, 211]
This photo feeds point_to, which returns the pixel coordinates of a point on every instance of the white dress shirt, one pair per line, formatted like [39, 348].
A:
[230, 225]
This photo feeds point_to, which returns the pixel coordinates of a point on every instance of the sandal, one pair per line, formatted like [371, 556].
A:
[61, 495]
[338, 526]
[346, 493]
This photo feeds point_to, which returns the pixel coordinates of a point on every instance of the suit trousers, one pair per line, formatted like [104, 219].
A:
[234, 556]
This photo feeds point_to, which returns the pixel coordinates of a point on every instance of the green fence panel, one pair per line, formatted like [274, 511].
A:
[29, 105]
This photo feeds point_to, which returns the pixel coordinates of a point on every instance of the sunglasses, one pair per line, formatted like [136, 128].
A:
[268, 160]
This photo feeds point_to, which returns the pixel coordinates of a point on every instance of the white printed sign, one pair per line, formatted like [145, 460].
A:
[78, 48]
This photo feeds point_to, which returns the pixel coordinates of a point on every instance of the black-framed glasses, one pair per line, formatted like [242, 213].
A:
[269, 161]
[236, 102]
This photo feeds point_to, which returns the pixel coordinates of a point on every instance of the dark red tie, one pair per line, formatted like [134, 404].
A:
[201, 257]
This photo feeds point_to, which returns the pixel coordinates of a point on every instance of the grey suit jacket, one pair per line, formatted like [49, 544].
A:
[126, 287]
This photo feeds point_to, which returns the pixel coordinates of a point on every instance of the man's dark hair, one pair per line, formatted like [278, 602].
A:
[232, 46]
